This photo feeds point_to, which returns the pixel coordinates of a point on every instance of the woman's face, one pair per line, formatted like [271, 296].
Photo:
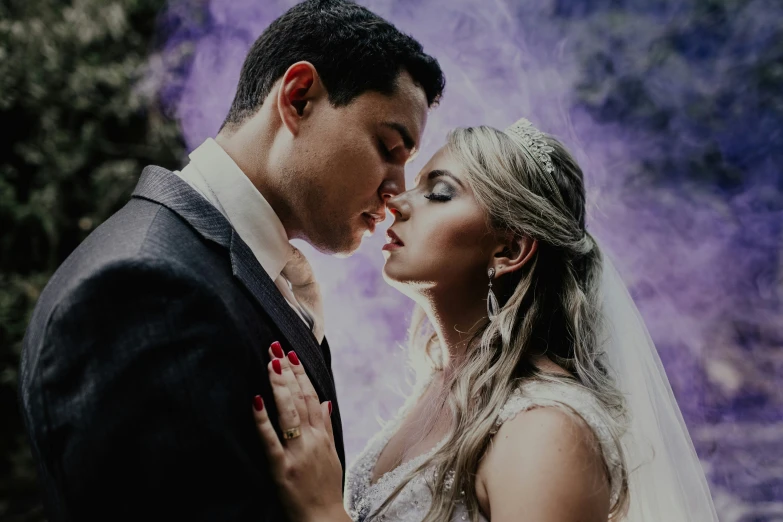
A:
[440, 235]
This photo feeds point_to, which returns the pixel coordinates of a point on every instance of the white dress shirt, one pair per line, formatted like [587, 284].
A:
[214, 175]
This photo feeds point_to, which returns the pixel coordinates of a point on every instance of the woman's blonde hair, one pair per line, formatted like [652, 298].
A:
[552, 308]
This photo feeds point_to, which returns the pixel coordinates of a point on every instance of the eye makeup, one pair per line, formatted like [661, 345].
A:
[441, 192]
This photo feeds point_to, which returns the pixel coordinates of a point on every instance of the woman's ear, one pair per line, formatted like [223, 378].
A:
[299, 87]
[513, 255]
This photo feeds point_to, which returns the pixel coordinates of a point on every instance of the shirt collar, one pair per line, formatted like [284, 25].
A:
[224, 184]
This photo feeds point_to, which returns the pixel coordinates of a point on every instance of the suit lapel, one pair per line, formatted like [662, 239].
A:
[166, 188]
[247, 269]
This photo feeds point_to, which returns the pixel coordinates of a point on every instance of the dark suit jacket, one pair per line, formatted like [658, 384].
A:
[141, 361]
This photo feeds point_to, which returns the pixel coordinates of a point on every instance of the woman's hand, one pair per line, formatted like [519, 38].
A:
[305, 464]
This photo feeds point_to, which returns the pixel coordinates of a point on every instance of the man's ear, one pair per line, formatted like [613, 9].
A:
[299, 88]
[513, 254]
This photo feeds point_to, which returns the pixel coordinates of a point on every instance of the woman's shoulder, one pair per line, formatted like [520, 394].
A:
[546, 461]
[542, 417]
[569, 398]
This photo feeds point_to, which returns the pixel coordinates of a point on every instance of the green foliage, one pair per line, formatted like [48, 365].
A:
[78, 126]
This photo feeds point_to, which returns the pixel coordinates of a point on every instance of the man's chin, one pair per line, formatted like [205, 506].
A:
[343, 246]
[350, 247]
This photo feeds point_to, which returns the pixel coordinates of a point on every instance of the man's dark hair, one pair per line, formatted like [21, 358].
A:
[353, 50]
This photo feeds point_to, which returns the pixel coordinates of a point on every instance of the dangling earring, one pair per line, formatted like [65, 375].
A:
[493, 308]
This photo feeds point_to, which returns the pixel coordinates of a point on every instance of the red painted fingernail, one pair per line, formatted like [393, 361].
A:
[277, 350]
[276, 366]
[330, 408]
[258, 403]
[293, 358]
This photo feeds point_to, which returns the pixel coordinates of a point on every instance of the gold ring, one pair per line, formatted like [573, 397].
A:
[292, 433]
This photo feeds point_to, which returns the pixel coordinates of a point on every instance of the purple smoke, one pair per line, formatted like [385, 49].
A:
[703, 261]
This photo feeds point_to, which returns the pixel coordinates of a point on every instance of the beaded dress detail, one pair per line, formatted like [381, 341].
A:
[363, 499]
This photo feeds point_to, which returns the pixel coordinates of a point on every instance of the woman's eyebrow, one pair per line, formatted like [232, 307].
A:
[442, 172]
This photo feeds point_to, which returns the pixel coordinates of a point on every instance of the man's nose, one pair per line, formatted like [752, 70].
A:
[393, 185]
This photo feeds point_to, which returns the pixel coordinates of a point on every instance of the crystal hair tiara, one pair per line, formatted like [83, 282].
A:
[533, 141]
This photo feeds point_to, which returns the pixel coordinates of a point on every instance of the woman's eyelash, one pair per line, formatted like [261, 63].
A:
[438, 197]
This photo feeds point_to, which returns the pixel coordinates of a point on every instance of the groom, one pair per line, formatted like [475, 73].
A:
[149, 343]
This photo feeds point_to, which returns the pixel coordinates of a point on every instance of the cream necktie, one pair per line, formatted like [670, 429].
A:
[305, 288]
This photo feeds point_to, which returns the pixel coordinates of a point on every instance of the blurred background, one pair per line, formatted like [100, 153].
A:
[674, 109]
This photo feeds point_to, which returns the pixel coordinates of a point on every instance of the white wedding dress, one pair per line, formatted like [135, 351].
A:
[363, 499]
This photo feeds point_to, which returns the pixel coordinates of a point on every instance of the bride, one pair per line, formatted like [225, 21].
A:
[544, 398]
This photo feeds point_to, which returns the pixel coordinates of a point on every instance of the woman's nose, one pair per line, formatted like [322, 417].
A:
[397, 206]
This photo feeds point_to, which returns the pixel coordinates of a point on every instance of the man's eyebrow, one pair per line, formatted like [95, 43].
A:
[407, 139]
[441, 172]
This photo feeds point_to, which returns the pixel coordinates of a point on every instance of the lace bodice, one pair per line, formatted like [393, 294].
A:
[363, 499]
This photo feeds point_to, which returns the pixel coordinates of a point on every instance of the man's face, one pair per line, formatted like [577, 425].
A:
[350, 160]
